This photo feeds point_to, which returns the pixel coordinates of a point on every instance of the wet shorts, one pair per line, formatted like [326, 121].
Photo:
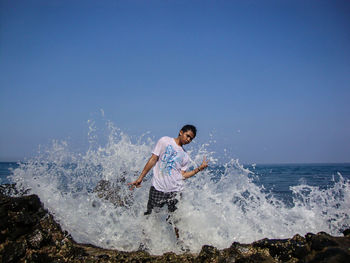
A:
[159, 199]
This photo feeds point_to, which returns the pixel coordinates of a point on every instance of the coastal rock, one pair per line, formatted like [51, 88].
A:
[346, 232]
[28, 233]
[113, 193]
[285, 249]
[11, 190]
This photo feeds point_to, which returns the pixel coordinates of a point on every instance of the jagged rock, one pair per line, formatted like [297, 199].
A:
[11, 190]
[320, 241]
[346, 232]
[208, 254]
[247, 253]
[331, 255]
[112, 193]
[285, 249]
[28, 233]
[36, 239]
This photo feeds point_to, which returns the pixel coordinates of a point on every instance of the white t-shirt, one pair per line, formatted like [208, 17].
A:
[172, 160]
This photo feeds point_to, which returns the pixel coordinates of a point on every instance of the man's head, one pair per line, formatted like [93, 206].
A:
[189, 127]
[187, 134]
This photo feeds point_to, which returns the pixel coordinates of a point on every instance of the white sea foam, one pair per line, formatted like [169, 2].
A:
[213, 210]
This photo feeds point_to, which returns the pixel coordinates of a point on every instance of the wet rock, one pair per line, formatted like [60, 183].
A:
[346, 232]
[321, 241]
[11, 190]
[254, 258]
[247, 253]
[28, 233]
[285, 250]
[331, 255]
[113, 193]
[208, 254]
[36, 239]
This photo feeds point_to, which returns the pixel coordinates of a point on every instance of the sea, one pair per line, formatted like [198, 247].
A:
[88, 194]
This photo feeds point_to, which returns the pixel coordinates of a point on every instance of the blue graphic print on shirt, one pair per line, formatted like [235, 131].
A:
[169, 160]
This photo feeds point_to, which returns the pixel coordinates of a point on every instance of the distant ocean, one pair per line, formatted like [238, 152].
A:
[6, 170]
[225, 203]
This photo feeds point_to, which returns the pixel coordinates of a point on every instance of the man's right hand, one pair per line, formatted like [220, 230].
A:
[151, 162]
[136, 183]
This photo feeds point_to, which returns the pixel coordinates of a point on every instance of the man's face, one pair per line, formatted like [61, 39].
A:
[186, 137]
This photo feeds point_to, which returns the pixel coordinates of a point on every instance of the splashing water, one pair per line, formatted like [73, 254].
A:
[88, 195]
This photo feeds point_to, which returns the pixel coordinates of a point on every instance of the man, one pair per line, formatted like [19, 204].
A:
[170, 162]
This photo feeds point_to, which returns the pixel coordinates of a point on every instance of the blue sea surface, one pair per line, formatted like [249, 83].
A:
[278, 178]
[6, 170]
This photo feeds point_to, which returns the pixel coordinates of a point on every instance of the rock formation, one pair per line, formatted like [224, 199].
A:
[112, 193]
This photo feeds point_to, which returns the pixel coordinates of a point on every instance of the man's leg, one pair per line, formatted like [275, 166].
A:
[155, 199]
[171, 208]
[150, 203]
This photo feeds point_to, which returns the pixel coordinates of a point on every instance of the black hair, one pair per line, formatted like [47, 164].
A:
[189, 127]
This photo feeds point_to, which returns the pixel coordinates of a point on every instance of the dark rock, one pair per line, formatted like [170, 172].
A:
[208, 254]
[113, 193]
[38, 258]
[12, 251]
[36, 238]
[246, 253]
[331, 255]
[19, 215]
[254, 258]
[346, 232]
[313, 248]
[11, 190]
[321, 240]
[278, 248]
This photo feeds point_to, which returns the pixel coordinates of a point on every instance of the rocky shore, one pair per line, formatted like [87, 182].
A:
[28, 233]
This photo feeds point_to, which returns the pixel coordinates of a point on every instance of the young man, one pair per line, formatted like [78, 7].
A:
[170, 162]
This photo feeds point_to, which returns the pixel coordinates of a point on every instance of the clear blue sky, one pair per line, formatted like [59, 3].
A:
[270, 79]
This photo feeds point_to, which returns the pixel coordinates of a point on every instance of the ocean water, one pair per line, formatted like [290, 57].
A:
[226, 203]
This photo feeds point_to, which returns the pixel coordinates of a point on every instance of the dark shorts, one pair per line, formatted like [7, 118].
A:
[159, 199]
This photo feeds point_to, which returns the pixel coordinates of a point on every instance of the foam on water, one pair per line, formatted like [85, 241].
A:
[214, 210]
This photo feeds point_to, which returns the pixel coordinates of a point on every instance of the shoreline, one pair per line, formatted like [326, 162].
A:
[29, 233]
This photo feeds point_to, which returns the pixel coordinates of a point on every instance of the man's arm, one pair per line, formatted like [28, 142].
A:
[196, 170]
[149, 165]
